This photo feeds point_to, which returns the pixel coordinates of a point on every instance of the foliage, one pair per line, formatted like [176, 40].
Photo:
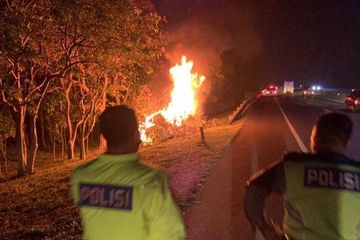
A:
[7, 126]
[122, 37]
[116, 41]
[25, 46]
[232, 80]
[29, 65]
[52, 107]
[68, 48]
[147, 101]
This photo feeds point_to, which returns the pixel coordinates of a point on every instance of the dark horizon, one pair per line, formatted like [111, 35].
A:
[305, 41]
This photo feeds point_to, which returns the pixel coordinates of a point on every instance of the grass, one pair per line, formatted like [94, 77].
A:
[40, 206]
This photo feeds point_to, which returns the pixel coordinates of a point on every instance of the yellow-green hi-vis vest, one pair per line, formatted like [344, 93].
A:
[322, 199]
[119, 198]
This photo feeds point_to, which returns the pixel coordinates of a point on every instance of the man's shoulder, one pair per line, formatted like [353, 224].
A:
[155, 177]
[82, 167]
[85, 165]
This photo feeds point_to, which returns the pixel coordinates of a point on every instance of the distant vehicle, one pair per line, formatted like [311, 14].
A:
[289, 87]
[308, 92]
[316, 88]
[313, 90]
[271, 90]
[352, 101]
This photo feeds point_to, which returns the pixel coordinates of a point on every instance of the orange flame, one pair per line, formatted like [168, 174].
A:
[183, 103]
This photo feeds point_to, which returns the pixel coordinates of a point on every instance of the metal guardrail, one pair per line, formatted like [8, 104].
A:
[241, 108]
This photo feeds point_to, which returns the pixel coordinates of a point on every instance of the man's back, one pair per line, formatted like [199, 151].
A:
[322, 196]
[322, 190]
[121, 199]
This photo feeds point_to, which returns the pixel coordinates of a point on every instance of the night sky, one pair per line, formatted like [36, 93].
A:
[306, 41]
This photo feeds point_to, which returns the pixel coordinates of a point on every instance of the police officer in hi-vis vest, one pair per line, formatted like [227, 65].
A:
[119, 198]
[321, 189]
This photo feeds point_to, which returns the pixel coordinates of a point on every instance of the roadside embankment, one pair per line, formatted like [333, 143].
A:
[40, 206]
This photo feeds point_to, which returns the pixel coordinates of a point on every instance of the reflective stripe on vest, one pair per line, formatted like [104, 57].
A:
[322, 200]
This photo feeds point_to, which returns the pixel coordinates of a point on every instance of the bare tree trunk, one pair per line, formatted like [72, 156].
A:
[33, 145]
[102, 142]
[87, 146]
[63, 137]
[70, 132]
[82, 142]
[54, 146]
[42, 125]
[70, 149]
[19, 119]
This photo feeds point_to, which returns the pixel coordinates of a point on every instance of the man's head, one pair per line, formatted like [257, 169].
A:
[331, 133]
[119, 127]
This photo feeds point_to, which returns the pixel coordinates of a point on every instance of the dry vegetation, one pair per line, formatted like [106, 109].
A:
[40, 206]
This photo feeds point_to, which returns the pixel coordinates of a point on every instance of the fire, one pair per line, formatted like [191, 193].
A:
[183, 102]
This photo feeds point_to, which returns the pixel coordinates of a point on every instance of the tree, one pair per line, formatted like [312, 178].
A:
[92, 96]
[233, 79]
[49, 45]
[119, 39]
[27, 64]
[52, 109]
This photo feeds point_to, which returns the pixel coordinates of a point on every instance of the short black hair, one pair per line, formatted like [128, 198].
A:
[118, 124]
[333, 127]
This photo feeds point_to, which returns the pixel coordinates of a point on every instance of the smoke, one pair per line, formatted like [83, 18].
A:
[205, 29]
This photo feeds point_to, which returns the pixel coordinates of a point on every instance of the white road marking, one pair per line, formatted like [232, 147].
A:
[301, 144]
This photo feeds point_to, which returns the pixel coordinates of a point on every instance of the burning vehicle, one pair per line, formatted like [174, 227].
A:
[183, 104]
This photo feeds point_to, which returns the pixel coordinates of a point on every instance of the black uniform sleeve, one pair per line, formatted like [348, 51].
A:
[258, 187]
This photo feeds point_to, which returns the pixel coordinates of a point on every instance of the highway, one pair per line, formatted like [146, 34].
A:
[273, 126]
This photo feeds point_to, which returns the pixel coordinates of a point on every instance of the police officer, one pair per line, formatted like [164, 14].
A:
[321, 189]
[119, 198]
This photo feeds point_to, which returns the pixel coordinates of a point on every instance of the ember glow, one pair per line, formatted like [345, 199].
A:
[183, 102]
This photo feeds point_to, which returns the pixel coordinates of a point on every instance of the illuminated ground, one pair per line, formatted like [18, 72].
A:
[208, 187]
[40, 206]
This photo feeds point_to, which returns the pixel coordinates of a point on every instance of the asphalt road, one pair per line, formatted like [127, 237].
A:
[273, 126]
